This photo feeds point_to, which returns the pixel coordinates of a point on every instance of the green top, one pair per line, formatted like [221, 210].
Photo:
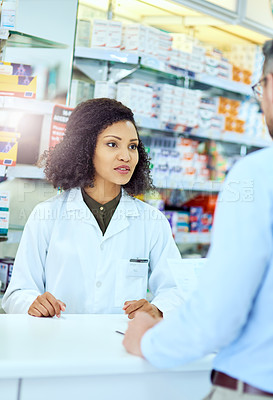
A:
[102, 212]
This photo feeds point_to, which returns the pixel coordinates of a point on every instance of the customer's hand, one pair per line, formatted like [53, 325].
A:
[136, 329]
[130, 308]
[46, 305]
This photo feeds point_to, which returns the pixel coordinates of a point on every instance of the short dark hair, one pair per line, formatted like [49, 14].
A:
[70, 163]
[268, 56]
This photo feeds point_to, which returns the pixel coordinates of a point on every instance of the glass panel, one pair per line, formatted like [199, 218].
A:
[230, 5]
[262, 14]
[46, 43]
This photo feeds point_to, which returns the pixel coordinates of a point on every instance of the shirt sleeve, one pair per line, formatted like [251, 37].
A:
[238, 260]
[161, 282]
[28, 277]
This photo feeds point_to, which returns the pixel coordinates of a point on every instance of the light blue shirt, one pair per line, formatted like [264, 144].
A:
[233, 309]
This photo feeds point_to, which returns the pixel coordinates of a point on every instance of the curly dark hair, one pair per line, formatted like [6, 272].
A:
[70, 163]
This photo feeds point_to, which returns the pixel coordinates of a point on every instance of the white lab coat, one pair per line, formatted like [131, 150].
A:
[63, 251]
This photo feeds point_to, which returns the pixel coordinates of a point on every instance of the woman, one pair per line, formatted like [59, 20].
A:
[94, 248]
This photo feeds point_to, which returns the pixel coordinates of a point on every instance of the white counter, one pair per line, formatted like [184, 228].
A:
[82, 357]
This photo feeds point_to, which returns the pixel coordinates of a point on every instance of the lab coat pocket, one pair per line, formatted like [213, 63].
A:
[131, 281]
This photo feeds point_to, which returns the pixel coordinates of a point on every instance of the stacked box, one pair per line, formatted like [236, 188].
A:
[137, 97]
[6, 267]
[83, 34]
[195, 219]
[147, 40]
[134, 38]
[105, 89]
[106, 34]
[80, 91]
[4, 213]
[230, 108]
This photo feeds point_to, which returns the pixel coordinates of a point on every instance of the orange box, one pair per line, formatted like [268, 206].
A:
[247, 77]
[234, 125]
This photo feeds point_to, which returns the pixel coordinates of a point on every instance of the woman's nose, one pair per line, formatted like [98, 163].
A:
[124, 155]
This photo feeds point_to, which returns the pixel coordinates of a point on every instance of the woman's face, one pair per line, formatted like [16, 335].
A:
[116, 154]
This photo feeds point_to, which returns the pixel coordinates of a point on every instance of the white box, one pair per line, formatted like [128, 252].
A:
[197, 67]
[80, 91]
[99, 33]
[4, 269]
[4, 201]
[128, 94]
[152, 41]
[114, 35]
[4, 222]
[83, 33]
[135, 37]
[105, 89]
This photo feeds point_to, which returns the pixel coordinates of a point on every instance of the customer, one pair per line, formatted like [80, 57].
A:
[95, 248]
[232, 310]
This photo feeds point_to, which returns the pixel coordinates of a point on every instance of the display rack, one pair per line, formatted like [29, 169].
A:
[207, 186]
[164, 69]
[13, 38]
[149, 64]
[119, 65]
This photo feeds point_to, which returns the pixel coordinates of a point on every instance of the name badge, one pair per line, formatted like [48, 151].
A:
[137, 268]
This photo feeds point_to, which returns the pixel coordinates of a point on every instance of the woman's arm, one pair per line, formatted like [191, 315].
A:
[28, 276]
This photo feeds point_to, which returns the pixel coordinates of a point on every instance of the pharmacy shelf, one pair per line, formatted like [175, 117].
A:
[145, 122]
[194, 238]
[152, 64]
[208, 186]
[30, 105]
[221, 83]
[25, 171]
[20, 39]
[106, 55]
[232, 137]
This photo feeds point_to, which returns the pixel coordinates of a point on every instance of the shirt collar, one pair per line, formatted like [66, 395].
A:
[127, 205]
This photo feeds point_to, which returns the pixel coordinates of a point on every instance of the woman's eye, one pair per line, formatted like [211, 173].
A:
[111, 144]
[133, 147]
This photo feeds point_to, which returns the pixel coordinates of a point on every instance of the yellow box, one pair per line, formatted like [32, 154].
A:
[18, 86]
[8, 148]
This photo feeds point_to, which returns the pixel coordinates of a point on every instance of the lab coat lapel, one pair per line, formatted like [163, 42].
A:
[77, 209]
[126, 208]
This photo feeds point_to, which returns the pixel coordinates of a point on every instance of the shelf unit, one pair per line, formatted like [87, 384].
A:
[152, 64]
[14, 38]
[20, 39]
[138, 61]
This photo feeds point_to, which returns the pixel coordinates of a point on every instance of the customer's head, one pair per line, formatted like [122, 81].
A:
[267, 85]
[100, 136]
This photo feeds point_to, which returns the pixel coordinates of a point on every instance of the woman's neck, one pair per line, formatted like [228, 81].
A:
[103, 194]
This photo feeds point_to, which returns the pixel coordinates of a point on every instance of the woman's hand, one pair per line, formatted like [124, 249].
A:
[46, 305]
[130, 308]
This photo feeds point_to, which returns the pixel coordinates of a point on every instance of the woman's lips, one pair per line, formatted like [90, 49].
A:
[123, 170]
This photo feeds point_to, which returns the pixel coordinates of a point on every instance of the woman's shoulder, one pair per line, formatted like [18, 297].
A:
[53, 204]
[145, 208]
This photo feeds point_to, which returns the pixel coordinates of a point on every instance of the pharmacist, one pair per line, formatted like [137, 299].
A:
[232, 310]
[94, 248]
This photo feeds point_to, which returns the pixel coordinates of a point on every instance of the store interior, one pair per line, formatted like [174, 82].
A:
[184, 67]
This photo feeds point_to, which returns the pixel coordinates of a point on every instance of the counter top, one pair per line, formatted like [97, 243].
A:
[73, 345]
